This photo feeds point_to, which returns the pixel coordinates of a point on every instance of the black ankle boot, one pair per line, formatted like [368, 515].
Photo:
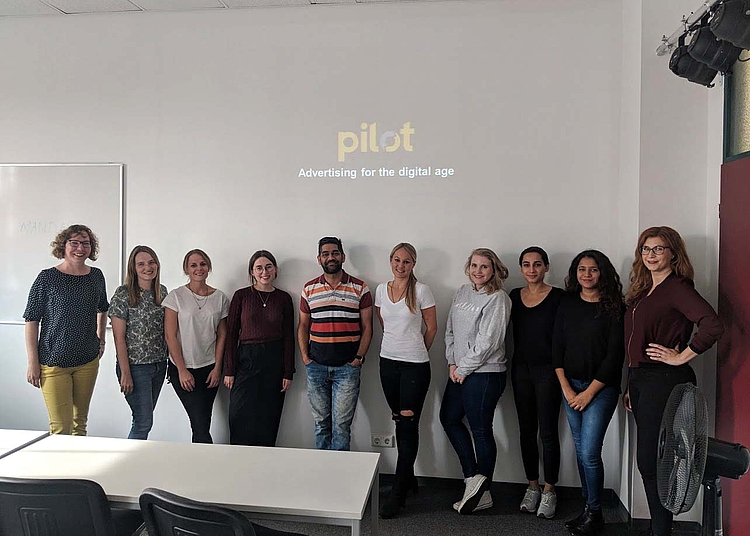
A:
[412, 484]
[592, 523]
[394, 502]
[573, 523]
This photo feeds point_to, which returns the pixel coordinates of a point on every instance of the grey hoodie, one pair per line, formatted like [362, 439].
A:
[475, 332]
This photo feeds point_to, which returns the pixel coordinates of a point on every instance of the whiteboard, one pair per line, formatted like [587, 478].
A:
[39, 200]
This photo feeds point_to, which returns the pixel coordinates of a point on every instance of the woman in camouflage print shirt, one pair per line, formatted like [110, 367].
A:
[138, 325]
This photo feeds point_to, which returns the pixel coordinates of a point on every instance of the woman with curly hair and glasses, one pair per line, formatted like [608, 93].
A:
[663, 309]
[475, 351]
[588, 356]
[69, 301]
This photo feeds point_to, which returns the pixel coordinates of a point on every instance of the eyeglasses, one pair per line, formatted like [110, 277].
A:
[658, 250]
[75, 243]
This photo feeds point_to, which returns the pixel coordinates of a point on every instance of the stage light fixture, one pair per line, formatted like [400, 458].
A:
[716, 53]
[684, 65]
[732, 22]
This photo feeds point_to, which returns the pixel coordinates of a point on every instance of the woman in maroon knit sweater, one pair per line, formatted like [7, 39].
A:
[259, 356]
[663, 309]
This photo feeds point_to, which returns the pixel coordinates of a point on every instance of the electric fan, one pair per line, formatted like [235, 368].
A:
[687, 458]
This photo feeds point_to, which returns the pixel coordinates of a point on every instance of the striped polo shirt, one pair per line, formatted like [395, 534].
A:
[335, 327]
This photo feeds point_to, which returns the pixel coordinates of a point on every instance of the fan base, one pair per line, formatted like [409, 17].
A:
[712, 511]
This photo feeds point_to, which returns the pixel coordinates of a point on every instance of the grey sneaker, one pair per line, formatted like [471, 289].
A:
[547, 505]
[484, 503]
[531, 500]
[475, 486]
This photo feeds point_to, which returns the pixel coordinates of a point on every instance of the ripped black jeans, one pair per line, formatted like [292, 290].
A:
[405, 387]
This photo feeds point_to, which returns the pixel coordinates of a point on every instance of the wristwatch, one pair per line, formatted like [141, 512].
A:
[361, 359]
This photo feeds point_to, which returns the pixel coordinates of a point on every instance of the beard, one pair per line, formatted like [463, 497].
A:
[332, 267]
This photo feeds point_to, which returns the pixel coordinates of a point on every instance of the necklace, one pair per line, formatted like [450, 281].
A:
[401, 297]
[200, 301]
[264, 302]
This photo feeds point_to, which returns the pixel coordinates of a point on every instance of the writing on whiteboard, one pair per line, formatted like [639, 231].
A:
[39, 227]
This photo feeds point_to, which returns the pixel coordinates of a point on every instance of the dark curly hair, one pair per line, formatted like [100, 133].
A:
[58, 244]
[609, 287]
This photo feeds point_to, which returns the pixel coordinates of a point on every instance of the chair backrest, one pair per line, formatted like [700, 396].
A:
[167, 514]
[34, 507]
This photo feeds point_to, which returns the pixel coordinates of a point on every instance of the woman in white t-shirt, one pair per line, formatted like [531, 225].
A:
[195, 327]
[403, 305]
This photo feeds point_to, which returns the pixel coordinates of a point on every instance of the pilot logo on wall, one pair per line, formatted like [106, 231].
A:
[369, 141]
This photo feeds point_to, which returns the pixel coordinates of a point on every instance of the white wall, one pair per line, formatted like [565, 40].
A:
[630, 152]
[537, 105]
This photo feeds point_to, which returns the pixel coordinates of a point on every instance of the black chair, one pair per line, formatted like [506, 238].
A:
[167, 514]
[35, 507]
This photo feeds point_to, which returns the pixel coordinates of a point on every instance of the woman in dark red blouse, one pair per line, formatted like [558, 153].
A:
[259, 356]
[663, 309]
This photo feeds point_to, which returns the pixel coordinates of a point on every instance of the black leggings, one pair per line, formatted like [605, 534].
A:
[198, 403]
[256, 400]
[537, 394]
[650, 387]
[405, 387]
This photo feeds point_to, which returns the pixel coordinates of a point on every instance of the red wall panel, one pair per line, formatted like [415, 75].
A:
[733, 375]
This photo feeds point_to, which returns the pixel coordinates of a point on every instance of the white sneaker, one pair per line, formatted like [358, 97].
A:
[475, 487]
[531, 500]
[547, 505]
[484, 503]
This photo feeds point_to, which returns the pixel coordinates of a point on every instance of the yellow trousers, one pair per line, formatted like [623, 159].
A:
[67, 392]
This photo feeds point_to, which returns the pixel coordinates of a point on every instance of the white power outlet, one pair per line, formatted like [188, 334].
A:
[383, 440]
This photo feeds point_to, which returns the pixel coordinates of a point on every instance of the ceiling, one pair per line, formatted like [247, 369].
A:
[10, 8]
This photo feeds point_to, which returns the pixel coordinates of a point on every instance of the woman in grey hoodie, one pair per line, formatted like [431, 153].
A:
[475, 350]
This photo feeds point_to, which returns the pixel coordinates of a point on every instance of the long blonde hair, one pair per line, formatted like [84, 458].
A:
[131, 277]
[499, 270]
[411, 284]
[640, 277]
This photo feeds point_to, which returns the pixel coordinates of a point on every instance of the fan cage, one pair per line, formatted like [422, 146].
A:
[682, 450]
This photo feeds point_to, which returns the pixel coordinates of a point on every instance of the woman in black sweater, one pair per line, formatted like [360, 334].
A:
[536, 390]
[259, 355]
[588, 357]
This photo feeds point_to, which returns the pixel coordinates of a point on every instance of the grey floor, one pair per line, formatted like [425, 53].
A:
[430, 513]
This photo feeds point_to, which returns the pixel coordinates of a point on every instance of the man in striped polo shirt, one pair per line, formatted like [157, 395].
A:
[335, 330]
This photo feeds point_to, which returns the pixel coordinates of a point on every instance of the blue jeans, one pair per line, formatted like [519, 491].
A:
[475, 399]
[147, 383]
[333, 393]
[588, 428]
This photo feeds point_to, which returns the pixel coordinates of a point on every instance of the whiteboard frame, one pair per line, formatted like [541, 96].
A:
[121, 215]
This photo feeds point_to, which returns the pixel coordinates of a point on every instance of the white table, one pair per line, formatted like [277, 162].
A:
[273, 483]
[14, 440]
